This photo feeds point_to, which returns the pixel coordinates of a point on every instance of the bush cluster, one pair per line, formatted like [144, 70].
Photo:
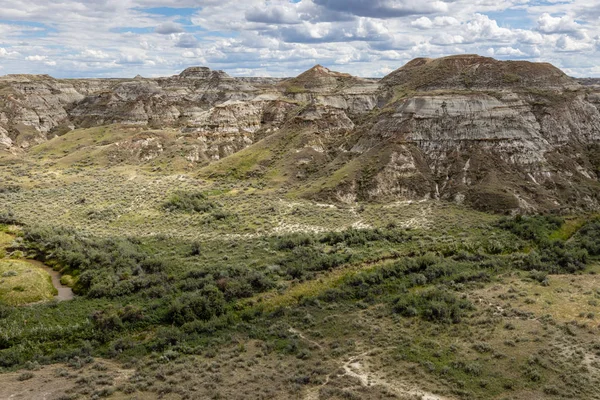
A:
[437, 305]
[552, 255]
[189, 202]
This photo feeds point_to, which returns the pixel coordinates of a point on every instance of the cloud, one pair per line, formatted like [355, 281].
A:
[7, 53]
[446, 39]
[481, 27]
[283, 37]
[422, 23]
[530, 37]
[326, 32]
[506, 51]
[383, 9]
[168, 28]
[187, 41]
[273, 15]
[36, 58]
[94, 54]
[426, 23]
[564, 24]
[567, 44]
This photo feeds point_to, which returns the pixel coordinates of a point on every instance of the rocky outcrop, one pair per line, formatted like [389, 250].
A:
[501, 144]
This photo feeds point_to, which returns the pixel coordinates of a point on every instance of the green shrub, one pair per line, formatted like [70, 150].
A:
[203, 304]
[437, 305]
[588, 237]
[188, 202]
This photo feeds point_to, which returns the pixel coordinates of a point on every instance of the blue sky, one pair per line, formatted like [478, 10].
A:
[123, 38]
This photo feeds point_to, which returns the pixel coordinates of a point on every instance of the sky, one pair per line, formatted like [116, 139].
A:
[371, 38]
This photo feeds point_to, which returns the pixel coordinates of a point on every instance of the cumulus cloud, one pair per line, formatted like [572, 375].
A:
[273, 15]
[426, 23]
[530, 37]
[186, 41]
[384, 8]
[481, 27]
[327, 32]
[36, 58]
[446, 39]
[506, 51]
[169, 27]
[565, 24]
[94, 54]
[7, 53]
[283, 37]
[567, 44]
[422, 23]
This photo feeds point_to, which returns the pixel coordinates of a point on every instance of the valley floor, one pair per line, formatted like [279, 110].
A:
[188, 288]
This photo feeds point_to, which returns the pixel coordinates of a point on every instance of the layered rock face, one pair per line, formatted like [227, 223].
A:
[220, 113]
[499, 136]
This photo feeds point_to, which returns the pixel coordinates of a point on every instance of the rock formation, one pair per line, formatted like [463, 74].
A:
[496, 135]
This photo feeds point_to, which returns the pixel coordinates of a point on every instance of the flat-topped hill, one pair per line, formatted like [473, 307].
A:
[476, 72]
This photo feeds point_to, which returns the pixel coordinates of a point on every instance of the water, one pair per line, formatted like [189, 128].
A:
[64, 292]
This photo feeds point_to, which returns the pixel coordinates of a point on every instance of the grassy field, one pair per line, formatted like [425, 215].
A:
[24, 283]
[211, 285]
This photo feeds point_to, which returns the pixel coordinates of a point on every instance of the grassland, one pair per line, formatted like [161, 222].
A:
[24, 283]
[198, 286]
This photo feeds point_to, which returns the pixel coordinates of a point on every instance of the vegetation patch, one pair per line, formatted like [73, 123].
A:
[24, 283]
[189, 202]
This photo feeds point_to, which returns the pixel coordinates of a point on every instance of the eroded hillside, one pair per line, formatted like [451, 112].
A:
[498, 136]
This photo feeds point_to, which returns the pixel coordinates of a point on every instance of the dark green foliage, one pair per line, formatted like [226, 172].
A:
[203, 304]
[310, 259]
[540, 276]
[349, 237]
[352, 237]
[292, 241]
[588, 237]
[195, 249]
[550, 255]
[536, 228]
[4, 311]
[437, 305]
[188, 202]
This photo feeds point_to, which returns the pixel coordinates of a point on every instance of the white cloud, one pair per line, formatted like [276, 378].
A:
[446, 39]
[35, 58]
[567, 44]
[530, 37]
[7, 53]
[273, 15]
[94, 54]
[278, 37]
[422, 23]
[481, 27]
[426, 23]
[508, 51]
[550, 24]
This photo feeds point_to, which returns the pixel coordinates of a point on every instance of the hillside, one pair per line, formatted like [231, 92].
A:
[498, 135]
